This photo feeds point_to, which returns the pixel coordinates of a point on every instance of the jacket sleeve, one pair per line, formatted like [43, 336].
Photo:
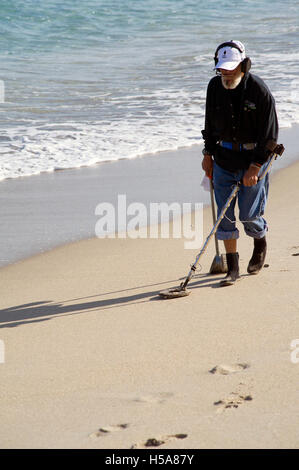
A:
[267, 128]
[207, 133]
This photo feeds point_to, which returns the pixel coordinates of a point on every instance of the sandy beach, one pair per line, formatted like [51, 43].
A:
[93, 358]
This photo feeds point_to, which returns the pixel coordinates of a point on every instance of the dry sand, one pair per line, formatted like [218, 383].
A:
[95, 359]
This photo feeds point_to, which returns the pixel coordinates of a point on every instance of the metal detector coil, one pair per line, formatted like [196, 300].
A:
[174, 293]
[181, 291]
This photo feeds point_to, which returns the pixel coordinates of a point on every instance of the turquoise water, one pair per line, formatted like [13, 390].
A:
[102, 80]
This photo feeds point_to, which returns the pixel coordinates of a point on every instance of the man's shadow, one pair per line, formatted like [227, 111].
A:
[45, 310]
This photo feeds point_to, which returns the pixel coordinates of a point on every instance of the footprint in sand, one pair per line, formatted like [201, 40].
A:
[236, 398]
[295, 247]
[233, 401]
[225, 369]
[159, 441]
[105, 430]
[154, 398]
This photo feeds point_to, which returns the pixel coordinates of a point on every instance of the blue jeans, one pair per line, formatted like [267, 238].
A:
[251, 202]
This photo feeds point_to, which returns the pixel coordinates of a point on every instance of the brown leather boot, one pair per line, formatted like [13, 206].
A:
[258, 256]
[232, 270]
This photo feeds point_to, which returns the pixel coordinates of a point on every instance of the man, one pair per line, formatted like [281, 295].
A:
[241, 130]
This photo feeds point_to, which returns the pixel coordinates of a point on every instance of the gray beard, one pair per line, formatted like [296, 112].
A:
[230, 84]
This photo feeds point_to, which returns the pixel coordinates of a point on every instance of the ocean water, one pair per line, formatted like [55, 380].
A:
[102, 80]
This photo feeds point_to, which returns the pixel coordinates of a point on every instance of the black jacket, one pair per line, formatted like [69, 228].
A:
[244, 115]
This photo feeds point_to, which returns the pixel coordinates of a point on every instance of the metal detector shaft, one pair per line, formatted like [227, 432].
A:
[203, 249]
[222, 214]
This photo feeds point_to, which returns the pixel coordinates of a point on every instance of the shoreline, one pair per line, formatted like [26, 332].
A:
[289, 132]
[45, 211]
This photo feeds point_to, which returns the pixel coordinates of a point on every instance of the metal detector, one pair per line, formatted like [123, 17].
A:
[181, 291]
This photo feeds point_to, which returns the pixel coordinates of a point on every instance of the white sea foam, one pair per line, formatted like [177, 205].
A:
[169, 120]
[39, 150]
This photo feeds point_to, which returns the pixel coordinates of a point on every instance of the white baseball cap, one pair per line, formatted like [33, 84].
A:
[229, 57]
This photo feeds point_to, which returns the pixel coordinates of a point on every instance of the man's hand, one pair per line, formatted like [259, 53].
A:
[250, 177]
[207, 165]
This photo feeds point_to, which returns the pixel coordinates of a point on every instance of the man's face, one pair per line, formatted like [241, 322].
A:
[231, 78]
